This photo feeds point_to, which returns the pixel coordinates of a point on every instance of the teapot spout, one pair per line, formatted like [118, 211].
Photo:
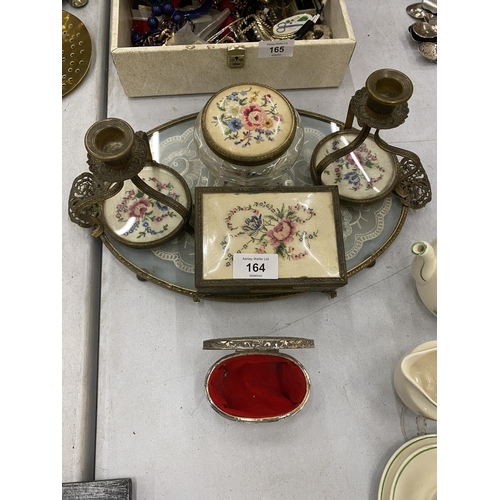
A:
[424, 264]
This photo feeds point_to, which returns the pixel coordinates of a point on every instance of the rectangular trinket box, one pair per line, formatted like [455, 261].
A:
[273, 240]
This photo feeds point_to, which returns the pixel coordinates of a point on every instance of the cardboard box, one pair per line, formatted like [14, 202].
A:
[198, 69]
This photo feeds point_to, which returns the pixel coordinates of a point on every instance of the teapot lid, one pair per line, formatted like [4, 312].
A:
[248, 124]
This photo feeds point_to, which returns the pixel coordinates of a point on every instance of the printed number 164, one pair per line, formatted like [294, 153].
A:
[255, 267]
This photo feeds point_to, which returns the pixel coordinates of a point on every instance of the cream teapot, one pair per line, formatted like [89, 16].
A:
[424, 272]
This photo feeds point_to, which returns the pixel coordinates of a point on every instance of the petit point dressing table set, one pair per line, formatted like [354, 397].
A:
[250, 199]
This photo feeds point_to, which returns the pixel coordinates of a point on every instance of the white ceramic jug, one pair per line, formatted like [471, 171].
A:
[424, 272]
[415, 380]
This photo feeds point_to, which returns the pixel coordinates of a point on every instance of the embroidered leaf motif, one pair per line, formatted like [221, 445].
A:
[269, 229]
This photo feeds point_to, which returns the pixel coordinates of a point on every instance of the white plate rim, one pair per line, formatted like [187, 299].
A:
[405, 463]
[402, 453]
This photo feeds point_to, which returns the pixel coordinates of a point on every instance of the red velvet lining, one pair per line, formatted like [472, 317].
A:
[257, 385]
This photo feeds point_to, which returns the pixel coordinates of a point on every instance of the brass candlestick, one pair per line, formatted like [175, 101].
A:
[116, 155]
[381, 105]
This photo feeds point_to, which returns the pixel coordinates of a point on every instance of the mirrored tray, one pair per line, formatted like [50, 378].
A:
[368, 230]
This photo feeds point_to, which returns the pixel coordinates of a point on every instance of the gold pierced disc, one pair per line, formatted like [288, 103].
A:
[76, 52]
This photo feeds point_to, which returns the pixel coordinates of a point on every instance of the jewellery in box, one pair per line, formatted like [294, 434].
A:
[248, 29]
[165, 21]
[319, 31]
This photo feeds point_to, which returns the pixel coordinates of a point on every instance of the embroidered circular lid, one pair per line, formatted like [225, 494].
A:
[248, 124]
[366, 175]
[136, 219]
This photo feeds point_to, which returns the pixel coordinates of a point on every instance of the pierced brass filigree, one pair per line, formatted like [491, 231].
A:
[87, 192]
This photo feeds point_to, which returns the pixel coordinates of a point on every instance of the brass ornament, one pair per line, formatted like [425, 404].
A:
[413, 184]
[86, 195]
[127, 169]
[365, 116]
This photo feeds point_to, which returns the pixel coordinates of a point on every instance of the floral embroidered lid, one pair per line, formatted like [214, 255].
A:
[138, 220]
[248, 124]
[367, 174]
[299, 227]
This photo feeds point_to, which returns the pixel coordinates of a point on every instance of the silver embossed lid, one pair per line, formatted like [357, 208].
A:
[258, 343]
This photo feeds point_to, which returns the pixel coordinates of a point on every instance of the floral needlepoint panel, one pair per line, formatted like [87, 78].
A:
[361, 175]
[251, 121]
[298, 226]
[134, 217]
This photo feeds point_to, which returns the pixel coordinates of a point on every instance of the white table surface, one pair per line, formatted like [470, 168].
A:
[81, 259]
[153, 422]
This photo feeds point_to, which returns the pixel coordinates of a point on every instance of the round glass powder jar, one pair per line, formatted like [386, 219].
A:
[248, 134]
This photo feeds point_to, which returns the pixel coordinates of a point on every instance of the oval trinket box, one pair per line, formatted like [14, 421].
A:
[257, 383]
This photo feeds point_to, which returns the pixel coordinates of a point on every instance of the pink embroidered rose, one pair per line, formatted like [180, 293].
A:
[253, 116]
[355, 158]
[283, 232]
[139, 208]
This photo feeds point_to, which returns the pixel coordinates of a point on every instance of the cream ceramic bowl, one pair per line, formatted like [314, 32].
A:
[415, 380]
